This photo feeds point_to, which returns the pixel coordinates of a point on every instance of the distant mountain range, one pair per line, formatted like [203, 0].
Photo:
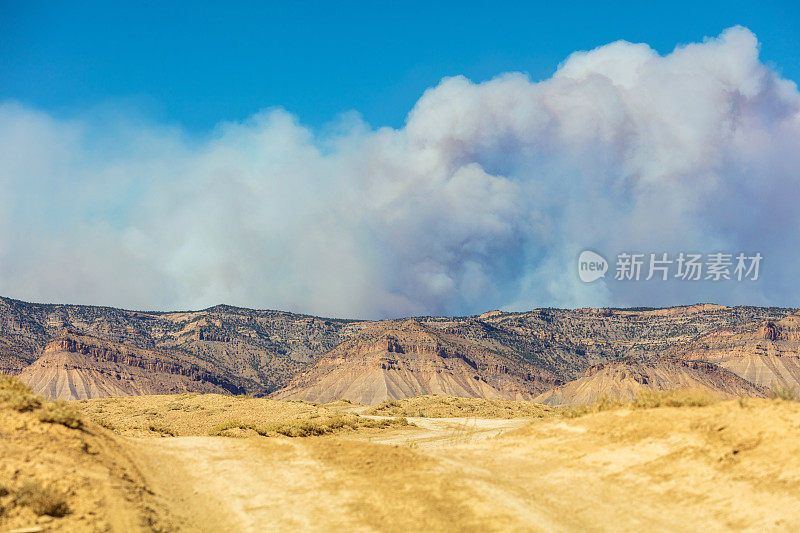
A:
[554, 356]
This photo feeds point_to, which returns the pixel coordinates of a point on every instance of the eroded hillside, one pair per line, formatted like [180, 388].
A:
[261, 348]
[223, 348]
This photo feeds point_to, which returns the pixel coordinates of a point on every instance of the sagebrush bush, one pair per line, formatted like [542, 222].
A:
[310, 428]
[784, 392]
[602, 404]
[105, 423]
[164, 430]
[645, 400]
[673, 398]
[236, 424]
[42, 500]
[17, 395]
[60, 412]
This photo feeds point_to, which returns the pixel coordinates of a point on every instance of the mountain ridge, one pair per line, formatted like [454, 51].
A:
[267, 352]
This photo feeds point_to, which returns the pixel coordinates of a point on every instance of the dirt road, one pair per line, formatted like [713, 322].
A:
[660, 470]
[442, 432]
[322, 484]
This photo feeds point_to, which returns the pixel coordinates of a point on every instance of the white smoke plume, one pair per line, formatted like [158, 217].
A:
[483, 200]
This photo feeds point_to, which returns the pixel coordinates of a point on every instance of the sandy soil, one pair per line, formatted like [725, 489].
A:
[322, 484]
[723, 467]
[441, 432]
[59, 474]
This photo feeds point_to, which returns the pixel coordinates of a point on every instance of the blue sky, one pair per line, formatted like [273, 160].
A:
[195, 66]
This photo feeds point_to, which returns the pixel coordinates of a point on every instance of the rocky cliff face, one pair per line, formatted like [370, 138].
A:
[76, 366]
[766, 353]
[497, 354]
[101, 351]
[400, 359]
[572, 341]
[264, 348]
[518, 355]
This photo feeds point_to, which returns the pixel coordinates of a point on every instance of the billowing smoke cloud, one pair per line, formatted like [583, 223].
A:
[483, 200]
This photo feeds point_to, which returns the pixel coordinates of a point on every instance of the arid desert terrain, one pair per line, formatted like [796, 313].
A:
[194, 462]
[679, 419]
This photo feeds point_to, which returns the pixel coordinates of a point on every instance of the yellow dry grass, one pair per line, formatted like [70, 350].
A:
[667, 461]
[724, 465]
[715, 467]
[645, 400]
[218, 415]
[443, 406]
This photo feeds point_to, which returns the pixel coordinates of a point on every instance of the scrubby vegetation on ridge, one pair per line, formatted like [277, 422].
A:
[216, 414]
[309, 428]
[16, 395]
[668, 398]
[444, 406]
[441, 406]
[646, 400]
[38, 497]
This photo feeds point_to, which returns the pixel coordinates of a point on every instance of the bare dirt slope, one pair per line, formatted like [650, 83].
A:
[628, 378]
[727, 466]
[59, 473]
[764, 353]
[77, 366]
[400, 359]
[666, 469]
